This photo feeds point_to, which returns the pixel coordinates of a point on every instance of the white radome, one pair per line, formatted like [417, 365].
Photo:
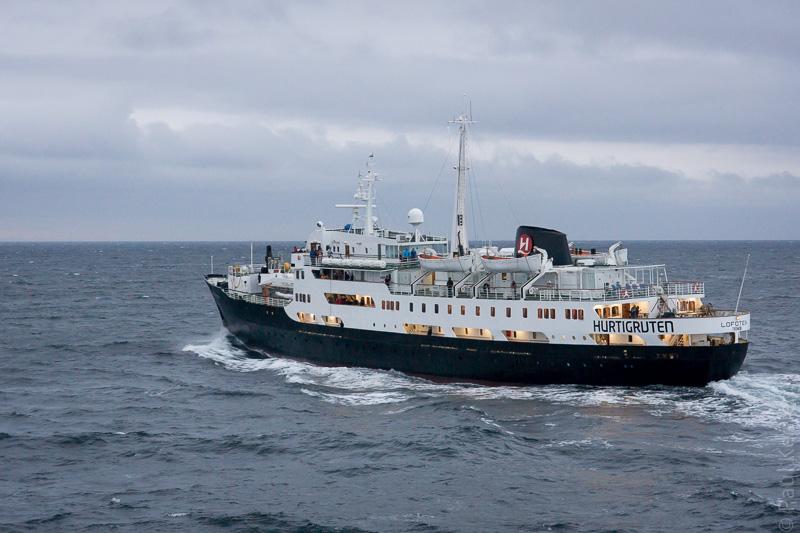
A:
[415, 216]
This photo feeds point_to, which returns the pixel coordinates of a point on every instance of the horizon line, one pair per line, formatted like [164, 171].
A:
[131, 241]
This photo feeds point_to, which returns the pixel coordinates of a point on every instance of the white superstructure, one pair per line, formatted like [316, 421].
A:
[367, 277]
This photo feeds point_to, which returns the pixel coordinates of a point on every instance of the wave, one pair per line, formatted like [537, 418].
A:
[770, 400]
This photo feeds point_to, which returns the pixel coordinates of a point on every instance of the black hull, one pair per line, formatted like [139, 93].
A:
[270, 329]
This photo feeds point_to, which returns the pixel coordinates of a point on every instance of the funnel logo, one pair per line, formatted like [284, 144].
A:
[525, 244]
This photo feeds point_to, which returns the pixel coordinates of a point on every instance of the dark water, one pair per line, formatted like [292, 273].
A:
[124, 407]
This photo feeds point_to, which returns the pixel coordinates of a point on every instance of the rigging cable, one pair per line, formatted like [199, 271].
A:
[439, 174]
[480, 209]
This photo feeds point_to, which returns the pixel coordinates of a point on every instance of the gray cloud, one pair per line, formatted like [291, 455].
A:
[75, 165]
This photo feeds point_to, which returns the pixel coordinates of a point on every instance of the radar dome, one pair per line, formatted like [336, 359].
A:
[415, 217]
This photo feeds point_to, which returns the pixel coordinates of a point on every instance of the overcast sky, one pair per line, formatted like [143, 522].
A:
[248, 120]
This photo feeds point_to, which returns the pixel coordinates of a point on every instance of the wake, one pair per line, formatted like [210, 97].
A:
[749, 400]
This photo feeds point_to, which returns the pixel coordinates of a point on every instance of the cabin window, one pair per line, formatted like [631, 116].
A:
[524, 312]
[423, 329]
[449, 309]
[547, 313]
[332, 321]
[411, 306]
[397, 306]
[580, 314]
[552, 313]
[351, 299]
[477, 310]
[463, 309]
[383, 304]
[508, 312]
[566, 314]
[308, 318]
[423, 308]
[436, 308]
[574, 314]
[491, 311]
[539, 312]
[308, 298]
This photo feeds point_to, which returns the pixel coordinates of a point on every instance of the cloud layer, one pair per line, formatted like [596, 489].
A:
[248, 120]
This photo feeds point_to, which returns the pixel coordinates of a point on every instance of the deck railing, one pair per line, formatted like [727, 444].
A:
[392, 263]
[257, 298]
[681, 288]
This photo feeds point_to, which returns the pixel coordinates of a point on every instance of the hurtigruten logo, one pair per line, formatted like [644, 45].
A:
[633, 326]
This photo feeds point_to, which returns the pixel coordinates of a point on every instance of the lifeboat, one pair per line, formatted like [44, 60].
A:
[503, 263]
[437, 263]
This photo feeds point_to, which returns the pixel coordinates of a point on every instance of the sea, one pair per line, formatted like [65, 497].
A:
[125, 406]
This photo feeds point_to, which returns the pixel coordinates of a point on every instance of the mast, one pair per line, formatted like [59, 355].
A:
[459, 242]
[370, 179]
[366, 194]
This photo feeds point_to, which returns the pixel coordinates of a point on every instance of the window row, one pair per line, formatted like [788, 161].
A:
[302, 298]
[574, 314]
[390, 305]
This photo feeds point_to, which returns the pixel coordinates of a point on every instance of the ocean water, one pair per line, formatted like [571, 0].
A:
[124, 406]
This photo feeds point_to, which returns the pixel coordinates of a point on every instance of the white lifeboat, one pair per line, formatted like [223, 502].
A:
[504, 263]
[430, 260]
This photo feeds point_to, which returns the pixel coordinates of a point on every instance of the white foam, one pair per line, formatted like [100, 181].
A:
[749, 400]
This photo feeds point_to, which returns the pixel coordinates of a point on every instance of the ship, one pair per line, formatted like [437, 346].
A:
[544, 311]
